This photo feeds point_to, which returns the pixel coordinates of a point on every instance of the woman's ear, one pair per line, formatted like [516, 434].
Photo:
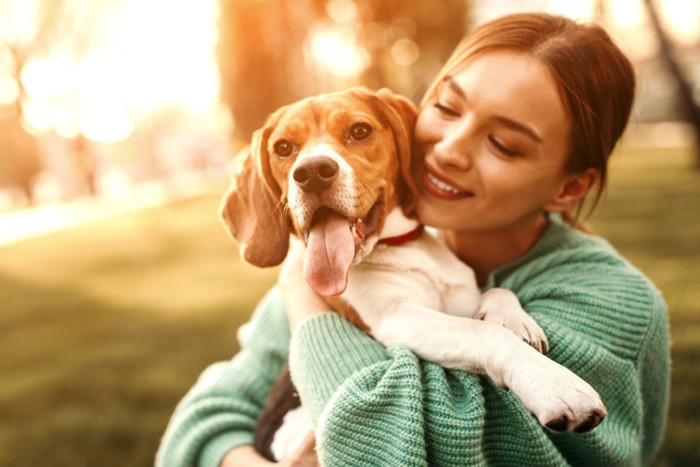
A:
[573, 190]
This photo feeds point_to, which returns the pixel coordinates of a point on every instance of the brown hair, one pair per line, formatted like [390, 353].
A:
[596, 81]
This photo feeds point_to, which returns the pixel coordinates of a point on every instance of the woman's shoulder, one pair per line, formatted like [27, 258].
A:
[568, 255]
[576, 282]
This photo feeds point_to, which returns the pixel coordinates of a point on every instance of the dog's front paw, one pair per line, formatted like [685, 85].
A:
[502, 307]
[559, 399]
[520, 323]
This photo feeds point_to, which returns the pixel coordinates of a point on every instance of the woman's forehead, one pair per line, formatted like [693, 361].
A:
[509, 82]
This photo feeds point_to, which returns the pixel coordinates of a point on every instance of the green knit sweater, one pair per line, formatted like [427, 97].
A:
[373, 406]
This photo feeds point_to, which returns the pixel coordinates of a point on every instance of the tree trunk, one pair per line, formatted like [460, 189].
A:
[690, 109]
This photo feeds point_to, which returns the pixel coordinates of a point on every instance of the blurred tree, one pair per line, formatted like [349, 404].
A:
[20, 159]
[66, 25]
[19, 155]
[261, 57]
[409, 41]
[266, 57]
[689, 108]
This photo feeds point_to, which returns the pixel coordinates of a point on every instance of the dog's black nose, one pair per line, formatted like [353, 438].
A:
[315, 174]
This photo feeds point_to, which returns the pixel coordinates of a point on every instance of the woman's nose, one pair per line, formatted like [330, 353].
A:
[455, 147]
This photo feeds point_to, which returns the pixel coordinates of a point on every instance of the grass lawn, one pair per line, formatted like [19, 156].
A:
[652, 215]
[104, 327]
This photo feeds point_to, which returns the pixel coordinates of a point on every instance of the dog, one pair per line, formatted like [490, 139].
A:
[334, 174]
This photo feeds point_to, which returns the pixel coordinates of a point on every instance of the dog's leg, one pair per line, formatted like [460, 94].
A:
[556, 396]
[501, 306]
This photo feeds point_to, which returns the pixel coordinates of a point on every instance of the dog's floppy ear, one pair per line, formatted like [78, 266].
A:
[402, 115]
[252, 212]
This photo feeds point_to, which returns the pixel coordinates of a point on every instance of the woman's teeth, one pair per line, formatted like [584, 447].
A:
[442, 185]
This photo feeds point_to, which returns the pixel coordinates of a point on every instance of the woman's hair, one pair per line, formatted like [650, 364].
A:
[595, 79]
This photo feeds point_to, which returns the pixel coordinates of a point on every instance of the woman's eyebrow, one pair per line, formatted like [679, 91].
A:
[452, 84]
[505, 121]
[519, 127]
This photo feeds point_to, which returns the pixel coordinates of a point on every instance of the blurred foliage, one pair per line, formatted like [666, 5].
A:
[266, 57]
[20, 160]
[60, 25]
[266, 54]
[270, 53]
[688, 106]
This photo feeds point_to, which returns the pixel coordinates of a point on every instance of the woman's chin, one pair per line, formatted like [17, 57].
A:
[436, 214]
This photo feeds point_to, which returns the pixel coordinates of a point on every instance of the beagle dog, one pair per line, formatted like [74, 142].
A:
[333, 173]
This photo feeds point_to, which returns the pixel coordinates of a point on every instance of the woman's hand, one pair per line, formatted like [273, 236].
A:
[305, 454]
[247, 456]
[244, 456]
[300, 300]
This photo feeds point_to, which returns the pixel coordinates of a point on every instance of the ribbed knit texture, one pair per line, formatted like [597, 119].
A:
[220, 411]
[377, 407]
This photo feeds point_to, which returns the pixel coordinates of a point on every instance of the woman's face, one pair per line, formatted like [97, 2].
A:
[494, 141]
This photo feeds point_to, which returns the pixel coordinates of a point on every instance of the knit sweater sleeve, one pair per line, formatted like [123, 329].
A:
[604, 321]
[377, 407]
[220, 411]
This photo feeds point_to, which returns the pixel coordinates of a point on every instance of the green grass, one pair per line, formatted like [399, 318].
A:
[652, 215]
[104, 327]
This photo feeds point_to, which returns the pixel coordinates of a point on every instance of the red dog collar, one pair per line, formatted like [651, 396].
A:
[401, 239]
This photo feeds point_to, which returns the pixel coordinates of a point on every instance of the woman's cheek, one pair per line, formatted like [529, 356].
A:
[426, 129]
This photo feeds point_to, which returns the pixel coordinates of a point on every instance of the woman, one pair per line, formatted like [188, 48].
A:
[511, 139]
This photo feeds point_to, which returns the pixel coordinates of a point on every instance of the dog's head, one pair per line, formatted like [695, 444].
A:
[329, 169]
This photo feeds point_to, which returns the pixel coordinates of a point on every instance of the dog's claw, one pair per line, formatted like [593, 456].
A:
[562, 424]
[587, 425]
[558, 424]
[559, 399]
[521, 324]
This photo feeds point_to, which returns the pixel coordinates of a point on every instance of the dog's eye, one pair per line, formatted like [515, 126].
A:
[360, 131]
[283, 148]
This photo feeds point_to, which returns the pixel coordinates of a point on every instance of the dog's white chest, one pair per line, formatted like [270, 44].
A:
[423, 271]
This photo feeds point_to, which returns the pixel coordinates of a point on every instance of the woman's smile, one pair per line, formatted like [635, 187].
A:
[439, 187]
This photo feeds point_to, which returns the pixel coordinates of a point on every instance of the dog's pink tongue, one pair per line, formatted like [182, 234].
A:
[329, 252]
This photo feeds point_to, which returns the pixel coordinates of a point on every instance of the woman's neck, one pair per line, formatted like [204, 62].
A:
[486, 250]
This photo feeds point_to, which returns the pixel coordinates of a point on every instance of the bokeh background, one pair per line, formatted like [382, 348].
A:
[118, 121]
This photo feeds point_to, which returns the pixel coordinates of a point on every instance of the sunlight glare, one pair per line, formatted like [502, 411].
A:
[342, 11]
[17, 20]
[681, 19]
[628, 20]
[171, 57]
[576, 10]
[152, 53]
[104, 116]
[405, 52]
[627, 14]
[49, 77]
[337, 50]
[37, 115]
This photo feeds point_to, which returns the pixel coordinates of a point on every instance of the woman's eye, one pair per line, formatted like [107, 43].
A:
[360, 131]
[283, 148]
[445, 110]
[502, 148]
